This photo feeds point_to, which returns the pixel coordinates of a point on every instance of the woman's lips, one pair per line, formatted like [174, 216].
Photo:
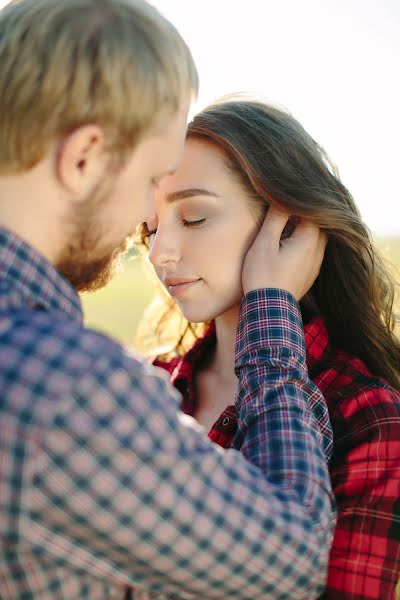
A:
[177, 287]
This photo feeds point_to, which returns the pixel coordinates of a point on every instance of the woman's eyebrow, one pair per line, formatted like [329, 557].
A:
[189, 193]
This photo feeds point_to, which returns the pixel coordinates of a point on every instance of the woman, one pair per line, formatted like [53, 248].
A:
[241, 157]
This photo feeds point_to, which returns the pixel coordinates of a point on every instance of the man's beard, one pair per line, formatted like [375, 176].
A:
[85, 261]
[85, 272]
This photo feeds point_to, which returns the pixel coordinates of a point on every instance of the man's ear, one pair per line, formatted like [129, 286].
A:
[81, 160]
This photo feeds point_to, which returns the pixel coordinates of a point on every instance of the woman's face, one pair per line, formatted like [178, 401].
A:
[204, 227]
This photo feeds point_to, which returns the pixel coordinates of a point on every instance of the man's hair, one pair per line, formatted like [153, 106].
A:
[67, 63]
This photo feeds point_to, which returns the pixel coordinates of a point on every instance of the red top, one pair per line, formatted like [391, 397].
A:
[364, 468]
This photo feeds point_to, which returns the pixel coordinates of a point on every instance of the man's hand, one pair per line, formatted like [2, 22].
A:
[290, 264]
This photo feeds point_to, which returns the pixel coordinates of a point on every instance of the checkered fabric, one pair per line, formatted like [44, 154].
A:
[105, 485]
[365, 467]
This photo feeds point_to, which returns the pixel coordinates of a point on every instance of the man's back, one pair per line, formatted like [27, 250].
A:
[46, 357]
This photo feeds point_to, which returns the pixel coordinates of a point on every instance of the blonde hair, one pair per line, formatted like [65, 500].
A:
[63, 64]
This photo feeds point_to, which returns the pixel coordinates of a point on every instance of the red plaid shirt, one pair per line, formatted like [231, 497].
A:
[364, 469]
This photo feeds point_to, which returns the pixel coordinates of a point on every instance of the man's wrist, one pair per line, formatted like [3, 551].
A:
[269, 317]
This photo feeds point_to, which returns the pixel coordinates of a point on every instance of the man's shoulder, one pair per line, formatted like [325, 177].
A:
[49, 353]
[52, 365]
[52, 333]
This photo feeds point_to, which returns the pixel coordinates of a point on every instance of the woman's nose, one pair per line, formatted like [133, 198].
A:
[164, 248]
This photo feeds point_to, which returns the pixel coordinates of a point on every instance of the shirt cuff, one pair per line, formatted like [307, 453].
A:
[269, 317]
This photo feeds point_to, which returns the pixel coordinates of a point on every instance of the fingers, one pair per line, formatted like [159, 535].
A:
[308, 233]
[302, 232]
[311, 239]
[305, 230]
[273, 226]
[322, 243]
[290, 261]
[276, 222]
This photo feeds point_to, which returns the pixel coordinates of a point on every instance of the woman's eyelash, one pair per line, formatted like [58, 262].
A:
[197, 223]
[193, 223]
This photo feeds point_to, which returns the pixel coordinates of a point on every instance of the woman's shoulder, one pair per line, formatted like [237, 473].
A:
[357, 399]
[364, 409]
[354, 393]
[346, 376]
[338, 373]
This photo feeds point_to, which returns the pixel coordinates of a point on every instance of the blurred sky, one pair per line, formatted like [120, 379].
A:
[335, 64]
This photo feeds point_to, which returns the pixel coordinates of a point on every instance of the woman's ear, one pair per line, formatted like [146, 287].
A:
[81, 160]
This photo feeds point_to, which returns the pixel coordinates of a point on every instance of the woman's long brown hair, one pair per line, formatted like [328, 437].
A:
[278, 162]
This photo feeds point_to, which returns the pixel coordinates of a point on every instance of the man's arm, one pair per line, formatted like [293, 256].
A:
[131, 490]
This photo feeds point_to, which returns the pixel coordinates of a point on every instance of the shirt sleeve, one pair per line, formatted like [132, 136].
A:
[365, 471]
[273, 377]
[129, 489]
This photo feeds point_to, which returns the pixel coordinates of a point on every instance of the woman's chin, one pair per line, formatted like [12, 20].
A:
[197, 316]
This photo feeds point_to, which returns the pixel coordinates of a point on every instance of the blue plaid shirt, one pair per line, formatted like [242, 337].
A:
[106, 486]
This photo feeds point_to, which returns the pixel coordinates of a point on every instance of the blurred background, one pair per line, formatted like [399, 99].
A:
[333, 64]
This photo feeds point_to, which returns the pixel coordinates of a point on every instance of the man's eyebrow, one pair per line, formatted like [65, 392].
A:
[189, 193]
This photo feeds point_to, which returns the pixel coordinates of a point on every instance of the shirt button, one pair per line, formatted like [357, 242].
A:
[225, 421]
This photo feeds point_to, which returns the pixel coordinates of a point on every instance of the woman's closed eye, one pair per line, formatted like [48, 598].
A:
[185, 222]
[195, 223]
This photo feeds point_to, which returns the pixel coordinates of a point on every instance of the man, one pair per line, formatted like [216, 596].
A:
[104, 485]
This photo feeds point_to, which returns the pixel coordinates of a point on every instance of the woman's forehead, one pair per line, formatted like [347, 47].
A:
[201, 161]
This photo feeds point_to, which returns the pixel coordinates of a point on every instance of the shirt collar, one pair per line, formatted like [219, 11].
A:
[34, 278]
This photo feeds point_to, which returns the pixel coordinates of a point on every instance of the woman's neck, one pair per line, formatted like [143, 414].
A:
[223, 360]
[216, 382]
